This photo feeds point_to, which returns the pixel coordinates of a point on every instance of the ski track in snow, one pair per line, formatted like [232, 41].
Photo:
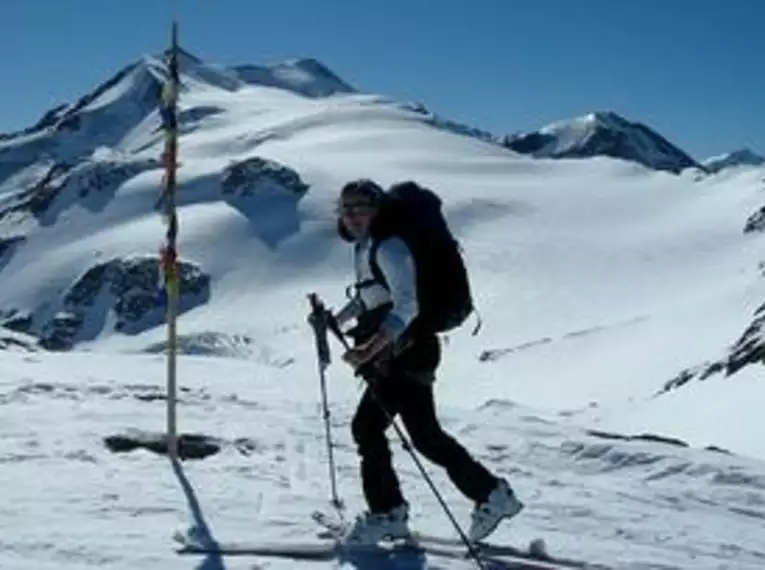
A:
[628, 504]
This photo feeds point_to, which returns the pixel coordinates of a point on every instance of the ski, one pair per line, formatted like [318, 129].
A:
[534, 556]
[299, 550]
[321, 550]
[329, 545]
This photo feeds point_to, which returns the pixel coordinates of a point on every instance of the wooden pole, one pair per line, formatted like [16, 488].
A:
[169, 253]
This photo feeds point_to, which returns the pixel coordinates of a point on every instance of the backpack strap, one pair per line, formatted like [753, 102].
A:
[352, 291]
[374, 267]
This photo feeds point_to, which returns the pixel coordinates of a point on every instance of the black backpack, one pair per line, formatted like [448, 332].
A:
[414, 214]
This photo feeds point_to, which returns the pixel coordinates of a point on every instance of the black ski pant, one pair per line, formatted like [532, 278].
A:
[413, 402]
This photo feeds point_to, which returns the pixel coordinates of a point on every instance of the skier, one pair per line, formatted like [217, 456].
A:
[400, 361]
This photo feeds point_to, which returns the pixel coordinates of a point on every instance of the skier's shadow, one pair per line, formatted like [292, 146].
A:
[384, 561]
[201, 530]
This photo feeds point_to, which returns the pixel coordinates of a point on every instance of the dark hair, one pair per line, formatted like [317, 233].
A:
[363, 187]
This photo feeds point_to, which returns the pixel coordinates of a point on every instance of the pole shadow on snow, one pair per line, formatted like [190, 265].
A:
[200, 528]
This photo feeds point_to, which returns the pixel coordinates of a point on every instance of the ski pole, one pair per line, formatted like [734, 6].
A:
[319, 324]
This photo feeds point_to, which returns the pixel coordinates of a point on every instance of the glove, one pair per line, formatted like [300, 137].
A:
[373, 354]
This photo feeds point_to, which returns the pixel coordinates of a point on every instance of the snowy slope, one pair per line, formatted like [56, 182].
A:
[306, 76]
[627, 504]
[598, 281]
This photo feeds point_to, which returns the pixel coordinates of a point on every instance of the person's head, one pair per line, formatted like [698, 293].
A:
[359, 202]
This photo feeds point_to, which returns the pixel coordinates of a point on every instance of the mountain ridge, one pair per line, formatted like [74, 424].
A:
[603, 133]
[596, 133]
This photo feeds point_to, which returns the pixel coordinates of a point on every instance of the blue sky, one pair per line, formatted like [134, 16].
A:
[692, 69]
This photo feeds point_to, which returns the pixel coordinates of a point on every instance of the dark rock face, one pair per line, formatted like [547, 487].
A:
[16, 320]
[91, 183]
[99, 176]
[37, 198]
[129, 289]
[14, 341]
[603, 134]
[267, 193]
[259, 176]
[755, 222]
[748, 350]
[528, 143]
[750, 347]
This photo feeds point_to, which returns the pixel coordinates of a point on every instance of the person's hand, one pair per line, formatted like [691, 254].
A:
[360, 355]
[355, 357]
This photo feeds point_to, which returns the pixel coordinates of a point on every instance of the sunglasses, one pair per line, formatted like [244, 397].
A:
[353, 208]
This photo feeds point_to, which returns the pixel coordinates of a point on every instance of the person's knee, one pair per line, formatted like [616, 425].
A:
[366, 435]
[431, 442]
[358, 428]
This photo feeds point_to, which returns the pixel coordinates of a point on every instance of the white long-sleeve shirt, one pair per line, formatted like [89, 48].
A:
[397, 266]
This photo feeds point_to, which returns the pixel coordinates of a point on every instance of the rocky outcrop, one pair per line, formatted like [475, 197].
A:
[37, 198]
[104, 176]
[748, 350]
[91, 183]
[755, 222]
[129, 290]
[267, 193]
[189, 446]
[258, 176]
[11, 340]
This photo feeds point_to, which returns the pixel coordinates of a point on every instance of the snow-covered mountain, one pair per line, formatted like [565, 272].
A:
[306, 76]
[107, 115]
[616, 381]
[603, 133]
[740, 157]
